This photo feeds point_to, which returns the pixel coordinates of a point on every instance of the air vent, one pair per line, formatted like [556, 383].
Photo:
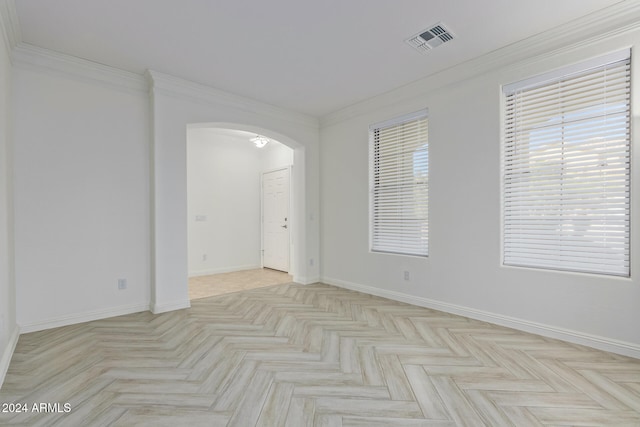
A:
[431, 38]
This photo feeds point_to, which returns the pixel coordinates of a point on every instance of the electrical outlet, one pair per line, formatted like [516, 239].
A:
[311, 262]
[204, 257]
[406, 275]
[122, 284]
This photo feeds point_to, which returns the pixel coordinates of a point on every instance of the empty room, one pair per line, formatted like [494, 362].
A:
[338, 213]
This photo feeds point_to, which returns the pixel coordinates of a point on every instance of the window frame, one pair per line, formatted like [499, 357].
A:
[546, 80]
[397, 121]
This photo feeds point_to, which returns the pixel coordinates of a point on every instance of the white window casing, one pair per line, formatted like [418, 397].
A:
[399, 165]
[566, 169]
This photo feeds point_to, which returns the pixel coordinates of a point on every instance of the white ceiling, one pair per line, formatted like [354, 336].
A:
[314, 57]
[238, 136]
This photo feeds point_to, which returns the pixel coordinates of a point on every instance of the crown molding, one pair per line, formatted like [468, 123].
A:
[9, 24]
[188, 90]
[32, 57]
[616, 20]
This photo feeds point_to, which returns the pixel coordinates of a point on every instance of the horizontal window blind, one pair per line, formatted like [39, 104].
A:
[399, 186]
[566, 172]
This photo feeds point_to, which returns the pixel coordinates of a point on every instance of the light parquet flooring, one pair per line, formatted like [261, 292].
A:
[293, 355]
[224, 283]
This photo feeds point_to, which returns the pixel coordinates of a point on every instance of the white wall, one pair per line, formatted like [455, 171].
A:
[223, 179]
[8, 329]
[81, 193]
[223, 184]
[463, 272]
[276, 156]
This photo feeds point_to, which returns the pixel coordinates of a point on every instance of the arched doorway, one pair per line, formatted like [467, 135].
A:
[233, 186]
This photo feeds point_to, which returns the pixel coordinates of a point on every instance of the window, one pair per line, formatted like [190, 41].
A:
[399, 176]
[566, 169]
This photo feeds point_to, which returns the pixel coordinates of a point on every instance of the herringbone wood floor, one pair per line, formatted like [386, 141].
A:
[293, 355]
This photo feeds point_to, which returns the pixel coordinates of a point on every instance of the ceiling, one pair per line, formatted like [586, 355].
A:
[222, 134]
[314, 57]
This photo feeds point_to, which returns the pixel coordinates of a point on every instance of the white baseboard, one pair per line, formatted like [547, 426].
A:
[169, 306]
[5, 360]
[87, 316]
[602, 343]
[306, 280]
[210, 271]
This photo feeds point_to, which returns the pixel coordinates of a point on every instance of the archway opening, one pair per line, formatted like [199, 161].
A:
[241, 229]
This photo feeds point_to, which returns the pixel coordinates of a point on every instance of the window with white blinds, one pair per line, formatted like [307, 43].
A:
[399, 176]
[566, 169]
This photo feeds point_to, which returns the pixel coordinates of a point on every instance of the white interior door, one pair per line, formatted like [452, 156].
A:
[276, 222]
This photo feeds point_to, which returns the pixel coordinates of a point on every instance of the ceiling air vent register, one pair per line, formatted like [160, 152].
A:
[430, 38]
